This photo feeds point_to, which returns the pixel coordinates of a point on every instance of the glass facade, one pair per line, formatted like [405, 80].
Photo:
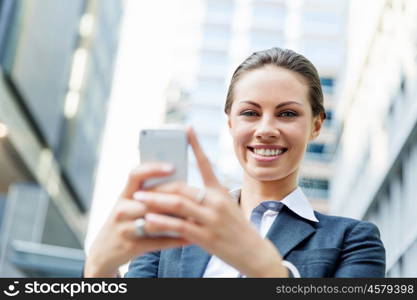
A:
[375, 170]
[232, 30]
[2, 207]
[219, 11]
[83, 133]
[321, 22]
[216, 36]
[8, 26]
[44, 95]
[268, 15]
[261, 39]
[57, 63]
[214, 62]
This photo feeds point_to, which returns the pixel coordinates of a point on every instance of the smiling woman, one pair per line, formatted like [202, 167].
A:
[265, 229]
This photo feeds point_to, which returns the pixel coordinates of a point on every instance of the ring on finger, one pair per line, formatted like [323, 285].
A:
[140, 228]
[201, 196]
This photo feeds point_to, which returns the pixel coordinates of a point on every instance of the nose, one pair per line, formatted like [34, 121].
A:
[267, 128]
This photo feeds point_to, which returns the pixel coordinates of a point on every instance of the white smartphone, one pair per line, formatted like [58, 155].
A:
[165, 145]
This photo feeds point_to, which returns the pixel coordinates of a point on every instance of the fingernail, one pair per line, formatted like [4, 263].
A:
[167, 168]
[140, 196]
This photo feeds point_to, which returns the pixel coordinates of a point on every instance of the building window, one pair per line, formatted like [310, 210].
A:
[314, 183]
[317, 152]
[316, 148]
[329, 118]
[327, 84]
[315, 187]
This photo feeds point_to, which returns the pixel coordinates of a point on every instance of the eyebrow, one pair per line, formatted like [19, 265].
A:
[278, 106]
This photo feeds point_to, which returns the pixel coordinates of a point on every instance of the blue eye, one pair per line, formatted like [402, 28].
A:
[249, 113]
[288, 114]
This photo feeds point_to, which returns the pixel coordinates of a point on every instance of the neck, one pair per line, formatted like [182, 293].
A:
[255, 191]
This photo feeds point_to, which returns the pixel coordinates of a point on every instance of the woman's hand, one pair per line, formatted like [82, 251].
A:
[216, 224]
[116, 242]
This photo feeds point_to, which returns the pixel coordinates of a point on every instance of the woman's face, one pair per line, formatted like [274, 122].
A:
[271, 122]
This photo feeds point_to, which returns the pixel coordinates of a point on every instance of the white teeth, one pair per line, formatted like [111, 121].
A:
[268, 152]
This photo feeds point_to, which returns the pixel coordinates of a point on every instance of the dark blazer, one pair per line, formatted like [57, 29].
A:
[332, 247]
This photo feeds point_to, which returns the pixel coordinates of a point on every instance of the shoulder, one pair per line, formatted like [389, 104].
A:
[362, 252]
[349, 225]
[328, 221]
[337, 220]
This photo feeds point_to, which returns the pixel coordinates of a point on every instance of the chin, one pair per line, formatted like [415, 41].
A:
[266, 175]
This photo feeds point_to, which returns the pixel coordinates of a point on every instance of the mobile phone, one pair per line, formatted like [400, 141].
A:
[167, 146]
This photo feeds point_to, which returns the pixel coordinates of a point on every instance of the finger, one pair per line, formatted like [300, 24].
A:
[207, 173]
[129, 210]
[143, 172]
[190, 231]
[179, 188]
[211, 196]
[128, 230]
[175, 205]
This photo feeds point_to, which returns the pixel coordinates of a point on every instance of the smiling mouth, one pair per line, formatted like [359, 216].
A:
[267, 152]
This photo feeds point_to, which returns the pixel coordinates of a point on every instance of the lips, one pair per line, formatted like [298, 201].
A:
[267, 147]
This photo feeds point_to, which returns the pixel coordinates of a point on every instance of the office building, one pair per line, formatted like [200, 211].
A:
[57, 61]
[220, 35]
[376, 154]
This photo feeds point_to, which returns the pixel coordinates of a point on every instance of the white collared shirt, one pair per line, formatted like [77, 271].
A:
[296, 201]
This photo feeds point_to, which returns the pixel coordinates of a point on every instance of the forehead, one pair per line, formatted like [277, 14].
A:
[271, 84]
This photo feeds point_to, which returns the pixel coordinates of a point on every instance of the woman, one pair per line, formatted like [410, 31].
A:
[267, 228]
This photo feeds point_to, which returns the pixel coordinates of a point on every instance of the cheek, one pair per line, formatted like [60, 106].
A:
[298, 133]
[241, 134]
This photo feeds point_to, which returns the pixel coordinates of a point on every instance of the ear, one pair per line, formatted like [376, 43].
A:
[316, 128]
[229, 123]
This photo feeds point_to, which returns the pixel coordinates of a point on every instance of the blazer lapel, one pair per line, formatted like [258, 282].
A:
[288, 230]
[194, 261]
